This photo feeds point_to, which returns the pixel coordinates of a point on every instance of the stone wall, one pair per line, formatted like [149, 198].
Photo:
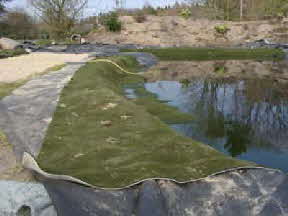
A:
[177, 31]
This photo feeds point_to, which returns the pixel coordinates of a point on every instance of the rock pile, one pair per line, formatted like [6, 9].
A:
[8, 44]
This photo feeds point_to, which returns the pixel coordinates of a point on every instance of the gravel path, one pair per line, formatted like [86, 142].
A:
[21, 67]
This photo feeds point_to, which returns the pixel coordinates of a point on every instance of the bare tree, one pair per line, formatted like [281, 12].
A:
[241, 9]
[2, 5]
[59, 15]
[17, 24]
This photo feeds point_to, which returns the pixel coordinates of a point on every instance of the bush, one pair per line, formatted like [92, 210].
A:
[17, 25]
[44, 42]
[220, 68]
[150, 10]
[11, 53]
[185, 13]
[111, 22]
[222, 29]
[140, 17]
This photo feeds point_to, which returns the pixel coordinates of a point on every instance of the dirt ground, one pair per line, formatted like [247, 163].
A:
[177, 31]
[18, 68]
[181, 70]
[10, 169]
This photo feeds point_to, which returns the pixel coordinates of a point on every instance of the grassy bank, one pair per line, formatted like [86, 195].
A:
[105, 139]
[166, 113]
[7, 88]
[11, 53]
[200, 54]
[3, 140]
[10, 168]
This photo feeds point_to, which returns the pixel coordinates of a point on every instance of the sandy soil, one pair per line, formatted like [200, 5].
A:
[21, 67]
[180, 70]
[177, 31]
[10, 169]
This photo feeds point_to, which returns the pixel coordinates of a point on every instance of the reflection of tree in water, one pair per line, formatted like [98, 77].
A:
[238, 138]
[250, 112]
[215, 124]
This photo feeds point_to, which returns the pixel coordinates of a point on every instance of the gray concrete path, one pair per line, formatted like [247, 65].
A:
[25, 115]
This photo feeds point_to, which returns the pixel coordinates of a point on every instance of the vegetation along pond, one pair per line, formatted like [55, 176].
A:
[238, 107]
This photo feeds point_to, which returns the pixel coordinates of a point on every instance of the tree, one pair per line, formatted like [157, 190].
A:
[17, 24]
[277, 7]
[59, 15]
[241, 9]
[2, 7]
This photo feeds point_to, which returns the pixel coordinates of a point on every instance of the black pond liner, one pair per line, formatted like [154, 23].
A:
[240, 191]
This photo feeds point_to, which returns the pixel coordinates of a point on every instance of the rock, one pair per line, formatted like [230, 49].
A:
[25, 199]
[28, 50]
[57, 48]
[265, 43]
[106, 123]
[9, 44]
[83, 41]
[29, 46]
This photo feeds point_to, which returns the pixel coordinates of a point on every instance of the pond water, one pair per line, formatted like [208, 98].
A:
[243, 117]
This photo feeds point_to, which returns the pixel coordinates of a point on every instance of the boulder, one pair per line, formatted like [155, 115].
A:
[9, 44]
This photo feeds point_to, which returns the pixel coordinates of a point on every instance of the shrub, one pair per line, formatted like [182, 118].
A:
[185, 83]
[44, 42]
[112, 22]
[220, 68]
[11, 53]
[150, 10]
[140, 17]
[185, 13]
[222, 29]
[18, 25]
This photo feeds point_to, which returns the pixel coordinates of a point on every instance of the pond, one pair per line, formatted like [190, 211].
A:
[239, 107]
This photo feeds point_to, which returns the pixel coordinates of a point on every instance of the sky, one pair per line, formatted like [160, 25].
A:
[96, 6]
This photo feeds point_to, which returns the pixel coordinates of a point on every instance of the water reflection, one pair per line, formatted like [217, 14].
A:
[247, 119]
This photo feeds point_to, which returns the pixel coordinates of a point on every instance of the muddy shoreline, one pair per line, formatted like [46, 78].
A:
[226, 69]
